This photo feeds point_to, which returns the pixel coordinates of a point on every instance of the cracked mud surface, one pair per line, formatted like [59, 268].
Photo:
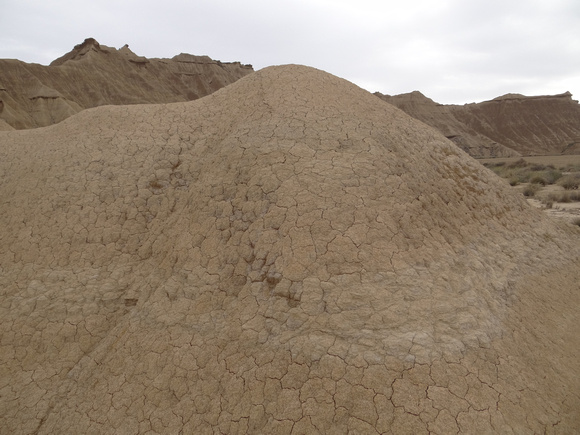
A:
[287, 255]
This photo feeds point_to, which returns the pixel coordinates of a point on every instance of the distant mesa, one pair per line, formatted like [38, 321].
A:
[289, 254]
[507, 126]
[93, 75]
[565, 95]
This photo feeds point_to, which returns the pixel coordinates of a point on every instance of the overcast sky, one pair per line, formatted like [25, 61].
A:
[453, 51]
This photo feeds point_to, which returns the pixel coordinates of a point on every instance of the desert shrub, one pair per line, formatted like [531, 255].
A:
[525, 175]
[522, 172]
[566, 196]
[576, 222]
[520, 175]
[549, 204]
[552, 198]
[574, 196]
[552, 175]
[544, 177]
[571, 167]
[538, 179]
[531, 189]
[521, 163]
[497, 168]
[570, 182]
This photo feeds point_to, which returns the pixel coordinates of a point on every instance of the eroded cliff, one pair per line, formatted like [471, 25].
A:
[91, 75]
[510, 125]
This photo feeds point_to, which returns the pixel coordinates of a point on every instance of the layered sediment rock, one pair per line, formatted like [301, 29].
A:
[507, 126]
[91, 75]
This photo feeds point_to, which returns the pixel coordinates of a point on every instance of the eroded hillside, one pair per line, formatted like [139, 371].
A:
[91, 75]
[507, 126]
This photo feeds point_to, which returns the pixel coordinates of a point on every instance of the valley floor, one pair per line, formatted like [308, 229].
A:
[569, 211]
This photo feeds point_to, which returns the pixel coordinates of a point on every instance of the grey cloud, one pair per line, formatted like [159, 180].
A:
[453, 51]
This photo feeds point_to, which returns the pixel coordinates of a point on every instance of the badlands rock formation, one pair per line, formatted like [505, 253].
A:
[289, 254]
[510, 125]
[91, 75]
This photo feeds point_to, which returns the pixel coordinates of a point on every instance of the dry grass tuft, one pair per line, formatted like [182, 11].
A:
[564, 196]
[530, 190]
[570, 182]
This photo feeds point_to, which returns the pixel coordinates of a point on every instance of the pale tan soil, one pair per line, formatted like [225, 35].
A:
[289, 255]
[568, 211]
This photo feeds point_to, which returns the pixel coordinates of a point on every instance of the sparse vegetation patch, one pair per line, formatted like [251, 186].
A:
[520, 171]
[544, 182]
[564, 196]
[570, 182]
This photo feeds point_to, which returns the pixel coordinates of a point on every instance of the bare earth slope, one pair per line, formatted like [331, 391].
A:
[33, 95]
[507, 126]
[287, 255]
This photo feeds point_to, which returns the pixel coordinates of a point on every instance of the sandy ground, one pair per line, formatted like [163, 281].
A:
[569, 211]
[560, 210]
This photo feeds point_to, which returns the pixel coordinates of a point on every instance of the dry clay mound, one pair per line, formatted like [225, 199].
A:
[507, 126]
[91, 75]
[278, 257]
